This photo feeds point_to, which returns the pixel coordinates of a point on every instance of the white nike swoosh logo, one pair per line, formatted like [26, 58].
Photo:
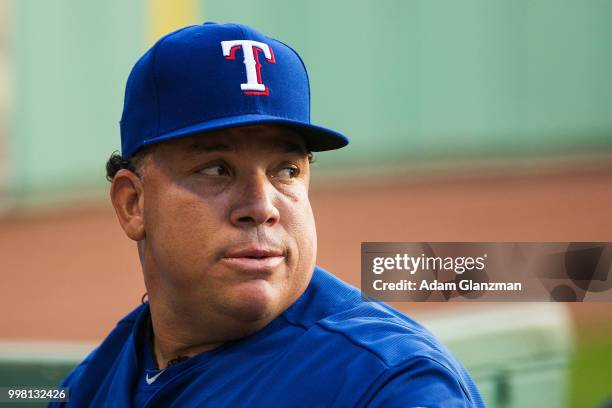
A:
[152, 379]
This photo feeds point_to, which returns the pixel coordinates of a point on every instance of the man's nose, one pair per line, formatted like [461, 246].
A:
[254, 203]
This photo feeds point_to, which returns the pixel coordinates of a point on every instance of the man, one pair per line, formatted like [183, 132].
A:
[212, 184]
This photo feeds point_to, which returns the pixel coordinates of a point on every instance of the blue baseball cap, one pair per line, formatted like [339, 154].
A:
[215, 76]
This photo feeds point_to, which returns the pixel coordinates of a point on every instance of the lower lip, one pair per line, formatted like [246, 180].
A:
[255, 263]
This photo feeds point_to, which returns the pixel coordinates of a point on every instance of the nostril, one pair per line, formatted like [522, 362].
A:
[254, 215]
[246, 219]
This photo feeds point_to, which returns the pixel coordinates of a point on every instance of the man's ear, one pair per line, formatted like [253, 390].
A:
[127, 196]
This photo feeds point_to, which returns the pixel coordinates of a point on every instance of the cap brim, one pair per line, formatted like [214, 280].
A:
[316, 138]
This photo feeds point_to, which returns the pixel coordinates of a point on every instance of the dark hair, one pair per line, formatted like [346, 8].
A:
[115, 163]
[134, 164]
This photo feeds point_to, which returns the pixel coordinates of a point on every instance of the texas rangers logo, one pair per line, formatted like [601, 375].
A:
[250, 49]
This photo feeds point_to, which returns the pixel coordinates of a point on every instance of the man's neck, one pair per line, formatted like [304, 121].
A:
[171, 344]
[167, 352]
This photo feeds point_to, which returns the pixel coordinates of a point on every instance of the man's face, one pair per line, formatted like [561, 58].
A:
[229, 230]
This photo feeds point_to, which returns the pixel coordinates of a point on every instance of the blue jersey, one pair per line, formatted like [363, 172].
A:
[330, 348]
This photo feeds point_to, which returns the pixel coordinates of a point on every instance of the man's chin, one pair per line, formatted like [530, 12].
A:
[255, 301]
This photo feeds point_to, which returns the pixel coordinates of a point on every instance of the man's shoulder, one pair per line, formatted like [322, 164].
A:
[114, 342]
[337, 308]
[376, 346]
[88, 378]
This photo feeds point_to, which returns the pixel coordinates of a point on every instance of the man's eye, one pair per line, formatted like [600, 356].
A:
[215, 170]
[288, 172]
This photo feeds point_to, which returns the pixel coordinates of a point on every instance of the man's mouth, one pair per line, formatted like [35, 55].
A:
[254, 259]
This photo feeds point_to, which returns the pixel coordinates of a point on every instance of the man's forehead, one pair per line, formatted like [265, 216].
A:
[269, 137]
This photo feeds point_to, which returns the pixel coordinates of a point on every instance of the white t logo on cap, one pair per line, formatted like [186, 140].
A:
[250, 50]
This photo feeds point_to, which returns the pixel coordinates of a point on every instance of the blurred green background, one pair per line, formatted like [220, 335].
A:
[590, 371]
[409, 80]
